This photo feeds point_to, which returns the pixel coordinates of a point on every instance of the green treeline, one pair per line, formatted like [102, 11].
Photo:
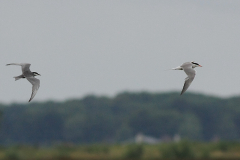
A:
[95, 119]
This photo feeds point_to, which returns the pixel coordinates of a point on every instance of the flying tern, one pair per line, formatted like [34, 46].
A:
[30, 76]
[188, 68]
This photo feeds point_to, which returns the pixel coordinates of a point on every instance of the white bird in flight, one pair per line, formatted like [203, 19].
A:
[30, 76]
[188, 68]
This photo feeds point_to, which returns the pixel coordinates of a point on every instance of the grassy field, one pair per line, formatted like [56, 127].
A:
[180, 150]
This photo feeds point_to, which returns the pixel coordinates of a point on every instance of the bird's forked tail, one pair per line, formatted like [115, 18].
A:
[18, 77]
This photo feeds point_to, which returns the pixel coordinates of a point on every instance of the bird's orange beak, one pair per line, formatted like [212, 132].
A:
[199, 65]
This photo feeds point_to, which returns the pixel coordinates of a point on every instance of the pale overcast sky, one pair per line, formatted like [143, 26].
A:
[106, 47]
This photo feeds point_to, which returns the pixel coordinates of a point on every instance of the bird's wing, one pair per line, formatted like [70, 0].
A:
[35, 86]
[25, 66]
[190, 73]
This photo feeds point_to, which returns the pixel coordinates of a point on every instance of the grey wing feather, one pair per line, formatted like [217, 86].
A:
[186, 65]
[35, 86]
[25, 66]
[190, 73]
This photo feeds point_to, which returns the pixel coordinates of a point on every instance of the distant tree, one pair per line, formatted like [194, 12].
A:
[94, 119]
[190, 127]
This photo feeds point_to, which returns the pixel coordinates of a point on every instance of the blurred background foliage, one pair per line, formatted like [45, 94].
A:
[99, 119]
